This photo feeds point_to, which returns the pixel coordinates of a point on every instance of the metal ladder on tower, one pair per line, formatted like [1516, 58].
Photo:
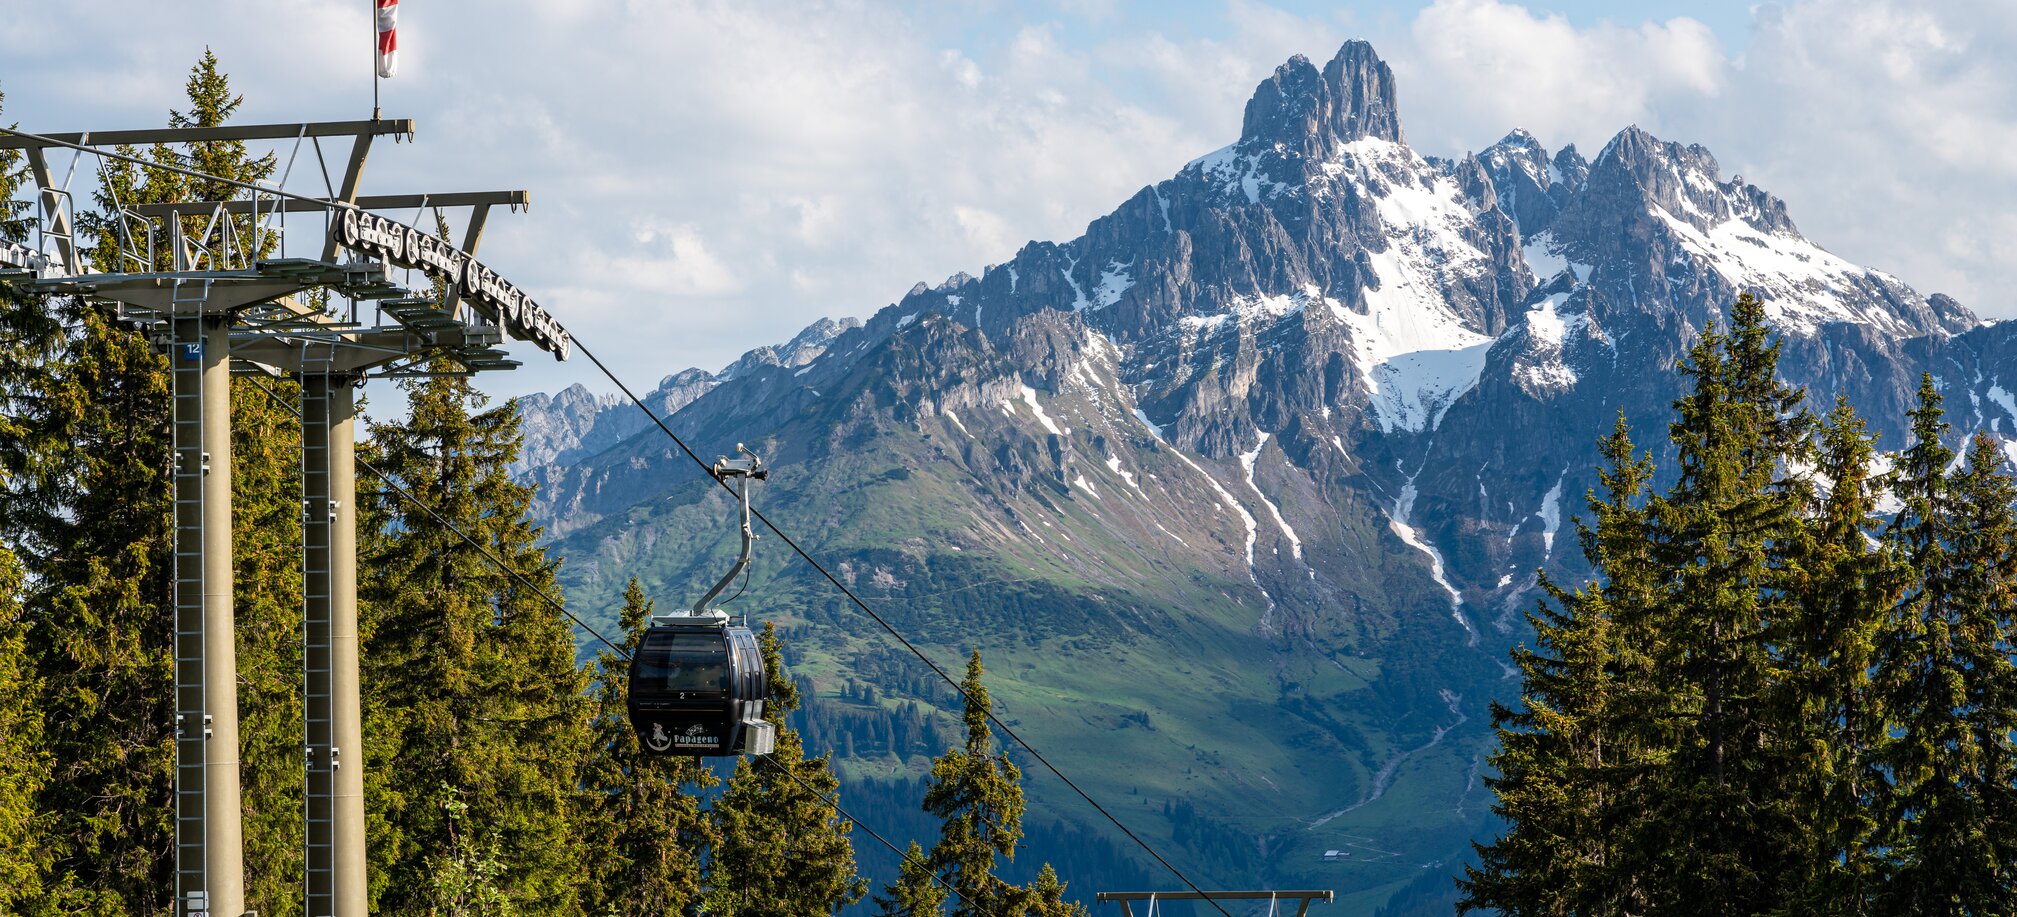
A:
[191, 465]
[318, 517]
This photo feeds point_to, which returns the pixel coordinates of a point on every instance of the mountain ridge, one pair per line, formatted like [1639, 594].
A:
[1297, 422]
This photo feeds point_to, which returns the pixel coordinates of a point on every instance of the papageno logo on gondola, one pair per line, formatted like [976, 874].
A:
[693, 738]
[409, 247]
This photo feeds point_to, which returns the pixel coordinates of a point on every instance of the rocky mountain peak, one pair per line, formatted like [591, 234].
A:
[803, 348]
[1529, 187]
[1303, 108]
[1687, 183]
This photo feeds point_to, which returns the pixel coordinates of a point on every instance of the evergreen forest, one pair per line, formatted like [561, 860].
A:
[1788, 688]
[502, 777]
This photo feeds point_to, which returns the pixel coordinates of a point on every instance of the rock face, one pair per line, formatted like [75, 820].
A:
[1296, 423]
[570, 427]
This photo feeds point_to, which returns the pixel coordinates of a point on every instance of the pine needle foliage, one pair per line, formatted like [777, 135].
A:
[782, 850]
[469, 677]
[977, 795]
[1769, 699]
[640, 813]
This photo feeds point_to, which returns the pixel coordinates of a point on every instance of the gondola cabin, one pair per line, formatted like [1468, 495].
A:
[697, 687]
[697, 684]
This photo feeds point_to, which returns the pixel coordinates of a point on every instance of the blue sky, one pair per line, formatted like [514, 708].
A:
[709, 176]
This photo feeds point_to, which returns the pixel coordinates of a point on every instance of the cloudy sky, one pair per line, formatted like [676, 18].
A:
[710, 177]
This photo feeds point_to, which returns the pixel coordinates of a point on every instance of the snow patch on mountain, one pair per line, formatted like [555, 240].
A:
[1247, 518]
[1113, 282]
[1154, 430]
[1802, 283]
[1414, 352]
[1551, 512]
[2002, 398]
[1543, 368]
[1079, 300]
[1247, 460]
[1545, 258]
[1029, 397]
[1114, 465]
[1415, 361]
[1237, 169]
[1400, 519]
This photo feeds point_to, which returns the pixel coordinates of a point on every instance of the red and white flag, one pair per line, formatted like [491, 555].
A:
[388, 37]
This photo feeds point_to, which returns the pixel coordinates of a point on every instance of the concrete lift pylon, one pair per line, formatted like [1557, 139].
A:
[249, 315]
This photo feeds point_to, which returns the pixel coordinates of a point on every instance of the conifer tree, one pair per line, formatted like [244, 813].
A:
[977, 795]
[211, 103]
[781, 850]
[1045, 896]
[916, 891]
[82, 447]
[83, 444]
[645, 828]
[1985, 634]
[1842, 590]
[469, 676]
[266, 535]
[24, 764]
[1945, 670]
[1726, 831]
[1569, 755]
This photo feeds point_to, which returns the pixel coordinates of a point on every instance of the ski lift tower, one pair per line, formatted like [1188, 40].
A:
[213, 282]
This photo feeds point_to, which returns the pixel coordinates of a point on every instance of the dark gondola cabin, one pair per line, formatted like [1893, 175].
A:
[697, 684]
[697, 687]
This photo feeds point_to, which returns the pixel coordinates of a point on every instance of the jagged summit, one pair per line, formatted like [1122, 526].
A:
[1315, 395]
[1311, 110]
[1531, 186]
[1687, 182]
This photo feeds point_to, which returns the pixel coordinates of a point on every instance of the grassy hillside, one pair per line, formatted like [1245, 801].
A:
[1138, 662]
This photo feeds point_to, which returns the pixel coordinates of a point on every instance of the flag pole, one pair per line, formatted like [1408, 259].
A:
[374, 60]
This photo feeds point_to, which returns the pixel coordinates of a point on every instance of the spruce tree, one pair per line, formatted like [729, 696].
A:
[1985, 634]
[1569, 756]
[83, 446]
[781, 849]
[87, 506]
[977, 795]
[24, 764]
[469, 679]
[1946, 676]
[1045, 896]
[84, 509]
[1727, 833]
[916, 891]
[1842, 590]
[635, 811]
[266, 537]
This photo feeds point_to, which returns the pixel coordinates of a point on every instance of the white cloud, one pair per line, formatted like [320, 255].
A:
[1891, 129]
[667, 259]
[1468, 64]
[708, 176]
